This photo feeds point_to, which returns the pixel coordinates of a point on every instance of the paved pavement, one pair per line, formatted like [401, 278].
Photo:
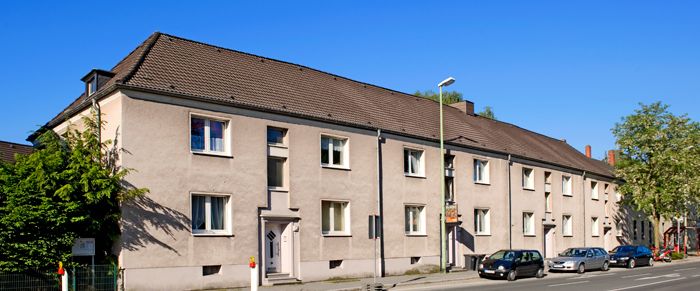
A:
[679, 275]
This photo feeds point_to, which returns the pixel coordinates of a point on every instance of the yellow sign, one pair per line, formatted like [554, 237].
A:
[451, 213]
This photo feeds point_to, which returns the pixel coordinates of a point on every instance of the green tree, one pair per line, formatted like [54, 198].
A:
[658, 162]
[488, 113]
[448, 97]
[69, 187]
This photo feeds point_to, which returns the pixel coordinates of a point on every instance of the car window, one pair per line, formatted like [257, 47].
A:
[536, 256]
[503, 255]
[599, 252]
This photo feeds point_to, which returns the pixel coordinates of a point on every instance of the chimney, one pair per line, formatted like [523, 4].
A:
[588, 151]
[95, 79]
[465, 106]
[611, 157]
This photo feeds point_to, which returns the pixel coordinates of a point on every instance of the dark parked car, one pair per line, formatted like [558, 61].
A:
[511, 264]
[580, 260]
[631, 256]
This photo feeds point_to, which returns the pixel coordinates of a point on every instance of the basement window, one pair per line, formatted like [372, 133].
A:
[211, 270]
[415, 260]
[334, 264]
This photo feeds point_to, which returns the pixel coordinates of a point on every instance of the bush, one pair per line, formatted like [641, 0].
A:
[677, 256]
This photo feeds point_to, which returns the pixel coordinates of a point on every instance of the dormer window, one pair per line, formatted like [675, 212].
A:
[96, 79]
[92, 85]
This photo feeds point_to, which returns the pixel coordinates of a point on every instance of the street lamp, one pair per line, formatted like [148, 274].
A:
[443, 235]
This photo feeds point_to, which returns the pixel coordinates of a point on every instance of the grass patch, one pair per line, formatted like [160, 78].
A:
[427, 269]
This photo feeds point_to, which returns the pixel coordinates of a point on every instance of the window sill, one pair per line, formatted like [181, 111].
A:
[277, 189]
[567, 195]
[595, 235]
[416, 235]
[214, 154]
[414, 175]
[483, 234]
[568, 235]
[335, 235]
[212, 234]
[335, 167]
[482, 183]
[278, 145]
[529, 235]
[529, 189]
[596, 199]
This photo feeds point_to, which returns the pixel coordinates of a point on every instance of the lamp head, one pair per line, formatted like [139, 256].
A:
[446, 82]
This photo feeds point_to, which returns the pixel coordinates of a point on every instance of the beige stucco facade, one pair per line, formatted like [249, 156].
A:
[158, 242]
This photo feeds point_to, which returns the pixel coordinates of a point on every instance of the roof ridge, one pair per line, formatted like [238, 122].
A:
[524, 129]
[149, 43]
[19, 144]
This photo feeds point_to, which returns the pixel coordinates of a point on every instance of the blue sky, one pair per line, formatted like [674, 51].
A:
[562, 68]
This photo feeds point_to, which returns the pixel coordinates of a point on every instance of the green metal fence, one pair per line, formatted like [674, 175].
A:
[30, 281]
[99, 278]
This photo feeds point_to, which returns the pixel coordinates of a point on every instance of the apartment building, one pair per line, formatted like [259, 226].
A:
[249, 156]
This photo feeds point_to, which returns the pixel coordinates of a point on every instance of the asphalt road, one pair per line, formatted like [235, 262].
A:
[662, 276]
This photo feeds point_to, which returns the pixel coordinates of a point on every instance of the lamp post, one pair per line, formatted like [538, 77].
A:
[443, 235]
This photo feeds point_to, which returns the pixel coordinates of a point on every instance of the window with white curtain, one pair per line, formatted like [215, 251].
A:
[335, 217]
[594, 190]
[567, 225]
[413, 162]
[414, 219]
[595, 226]
[566, 185]
[482, 221]
[208, 135]
[481, 171]
[528, 223]
[211, 214]
[334, 152]
[528, 179]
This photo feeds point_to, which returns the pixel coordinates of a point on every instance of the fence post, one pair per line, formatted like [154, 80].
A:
[64, 281]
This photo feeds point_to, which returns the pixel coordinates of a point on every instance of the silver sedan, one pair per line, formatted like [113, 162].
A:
[580, 260]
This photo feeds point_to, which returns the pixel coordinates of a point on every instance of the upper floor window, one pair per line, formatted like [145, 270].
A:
[449, 189]
[449, 161]
[413, 162]
[414, 219]
[567, 225]
[482, 221]
[334, 151]
[595, 227]
[276, 172]
[594, 190]
[481, 171]
[528, 179]
[92, 85]
[618, 229]
[276, 136]
[566, 185]
[528, 223]
[208, 135]
[335, 217]
[211, 214]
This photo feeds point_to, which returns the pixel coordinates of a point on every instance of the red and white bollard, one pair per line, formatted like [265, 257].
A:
[253, 274]
[64, 277]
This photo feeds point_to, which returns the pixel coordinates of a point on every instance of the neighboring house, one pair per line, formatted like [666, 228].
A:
[8, 150]
[250, 156]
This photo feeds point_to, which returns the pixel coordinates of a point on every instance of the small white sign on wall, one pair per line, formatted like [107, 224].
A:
[84, 247]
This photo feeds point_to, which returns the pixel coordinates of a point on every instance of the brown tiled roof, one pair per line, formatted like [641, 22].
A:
[175, 66]
[9, 149]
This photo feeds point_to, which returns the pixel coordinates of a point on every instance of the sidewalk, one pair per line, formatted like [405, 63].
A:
[389, 282]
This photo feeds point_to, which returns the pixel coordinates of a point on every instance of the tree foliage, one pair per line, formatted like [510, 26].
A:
[448, 97]
[659, 162]
[488, 113]
[70, 187]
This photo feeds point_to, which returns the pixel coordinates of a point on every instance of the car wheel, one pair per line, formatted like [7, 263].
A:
[651, 262]
[512, 275]
[540, 273]
[606, 266]
[631, 264]
[581, 268]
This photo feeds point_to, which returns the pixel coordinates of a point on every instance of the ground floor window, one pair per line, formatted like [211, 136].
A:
[567, 225]
[211, 214]
[335, 217]
[414, 219]
[528, 223]
[482, 221]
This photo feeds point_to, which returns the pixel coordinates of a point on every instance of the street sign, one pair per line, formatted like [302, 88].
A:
[84, 247]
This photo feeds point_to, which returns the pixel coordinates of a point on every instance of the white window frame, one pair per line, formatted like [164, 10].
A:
[528, 180]
[594, 190]
[331, 218]
[529, 221]
[284, 137]
[422, 226]
[345, 152]
[285, 183]
[92, 85]
[487, 221]
[421, 162]
[567, 188]
[567, 227]
[228, 215]
[479, 177]
[595, 226]
[548, 202]
[207, 120]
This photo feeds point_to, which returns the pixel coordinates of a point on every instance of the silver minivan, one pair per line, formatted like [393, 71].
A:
[580, 260]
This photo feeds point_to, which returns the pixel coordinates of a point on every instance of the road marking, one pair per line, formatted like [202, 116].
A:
[632, 276]
[695, 276]
[673, 275]
[685, 269]
[647, 284]
[590, 276]
[564, 284]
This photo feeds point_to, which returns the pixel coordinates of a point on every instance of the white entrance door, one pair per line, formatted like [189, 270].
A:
[549, 243]
[272, 248]
[606, 240]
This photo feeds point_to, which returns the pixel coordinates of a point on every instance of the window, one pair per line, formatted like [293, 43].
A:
[482, 222]
[548, 202]
[207, 135]
[335, 218]
[618, 196]
[481, 171]
[275, 172]
[449, 161]
[211, 214]
[414, 219]
[449, 189]
[594, 190]
[92, 85]
[566, 185]
[618, 230]
[567, 225]
[528, 179]
[528, 223]
[335, 264]
[413, 162]
[634, 229]
[415, 260]
[595, 226]
[642, 223]
[276, 136]
[334, 151]
[211, 270]
[651, 232]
